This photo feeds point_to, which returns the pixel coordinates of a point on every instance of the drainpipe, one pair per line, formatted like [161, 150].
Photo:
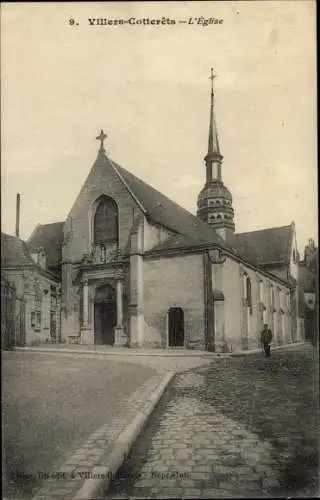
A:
[18, 215]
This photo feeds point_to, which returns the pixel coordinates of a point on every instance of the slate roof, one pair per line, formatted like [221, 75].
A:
[163, 211]
[50, 237]
[14, 252]
[265, 246]
[262, 247]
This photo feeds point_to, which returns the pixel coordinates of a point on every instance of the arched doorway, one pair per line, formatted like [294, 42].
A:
[105, 314]
[176, 326]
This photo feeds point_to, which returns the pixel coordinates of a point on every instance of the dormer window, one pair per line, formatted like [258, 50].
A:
[42, 259]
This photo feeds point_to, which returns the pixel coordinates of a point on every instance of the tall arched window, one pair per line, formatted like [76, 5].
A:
[105, 226]
[248, 293]
[105, 235]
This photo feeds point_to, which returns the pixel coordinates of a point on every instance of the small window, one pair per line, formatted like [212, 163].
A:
[102, 253]
[294, 256]
[261, 290]
[218, 202]
[272, 296]
[219, 216]
[36, 320]
[248, 294]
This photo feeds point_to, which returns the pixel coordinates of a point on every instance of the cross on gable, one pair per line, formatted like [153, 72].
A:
[101, 137]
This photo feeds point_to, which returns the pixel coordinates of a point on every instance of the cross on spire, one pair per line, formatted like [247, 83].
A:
[213, 143]
[101, 137]
[212, 77]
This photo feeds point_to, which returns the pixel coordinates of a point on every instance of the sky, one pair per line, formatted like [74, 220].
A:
[148, 87]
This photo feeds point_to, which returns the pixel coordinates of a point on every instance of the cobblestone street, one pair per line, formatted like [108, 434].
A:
[245, 426]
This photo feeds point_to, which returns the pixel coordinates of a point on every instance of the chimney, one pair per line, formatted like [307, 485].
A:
[18, 215]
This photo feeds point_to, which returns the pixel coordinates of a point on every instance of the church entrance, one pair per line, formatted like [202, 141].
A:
[105, 315]
[176, 327]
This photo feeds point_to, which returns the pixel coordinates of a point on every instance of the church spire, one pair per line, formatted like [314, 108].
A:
[215, 200]
[213, 158]
[213, 143]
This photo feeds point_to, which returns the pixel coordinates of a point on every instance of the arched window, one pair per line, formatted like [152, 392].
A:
[218, 216]
[272, 296]
[105, 223]
[248, 293]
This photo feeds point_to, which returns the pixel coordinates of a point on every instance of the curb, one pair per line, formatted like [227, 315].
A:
[257, 351]
[164, 354]
[95, 488]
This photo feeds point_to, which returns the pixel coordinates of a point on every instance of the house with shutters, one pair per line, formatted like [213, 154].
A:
[138, 270]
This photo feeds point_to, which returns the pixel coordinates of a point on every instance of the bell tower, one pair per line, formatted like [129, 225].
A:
[215, 200]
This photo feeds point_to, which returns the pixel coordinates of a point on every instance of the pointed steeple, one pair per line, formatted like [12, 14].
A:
[215, 200]
[213, 143]
[213, 158]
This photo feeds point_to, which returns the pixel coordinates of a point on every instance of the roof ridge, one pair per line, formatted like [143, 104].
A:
[52, 223]
[264, 229]
[115, 167]
[12, 236]
[154, 189]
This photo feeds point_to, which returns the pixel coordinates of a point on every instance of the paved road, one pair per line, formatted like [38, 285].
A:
[51, 403]
[245, 426]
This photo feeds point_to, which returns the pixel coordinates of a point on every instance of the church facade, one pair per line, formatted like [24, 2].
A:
[138, 270]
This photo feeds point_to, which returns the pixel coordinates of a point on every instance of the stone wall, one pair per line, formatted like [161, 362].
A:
[102, 180]
[173, 282]
[242, 327]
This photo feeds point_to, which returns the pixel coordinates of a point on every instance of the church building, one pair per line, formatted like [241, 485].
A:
[138, 270]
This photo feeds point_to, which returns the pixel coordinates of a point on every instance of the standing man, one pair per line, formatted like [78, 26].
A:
[266, 338]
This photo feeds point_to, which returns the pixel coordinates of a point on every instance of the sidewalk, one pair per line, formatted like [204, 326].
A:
[88, 471]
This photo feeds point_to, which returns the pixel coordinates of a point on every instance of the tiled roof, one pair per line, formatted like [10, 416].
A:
[14, 252]
[163, 211]
[50, 237]
[180, 242]
[266, 246]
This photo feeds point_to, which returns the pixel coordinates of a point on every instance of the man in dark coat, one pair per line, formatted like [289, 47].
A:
[266, 338]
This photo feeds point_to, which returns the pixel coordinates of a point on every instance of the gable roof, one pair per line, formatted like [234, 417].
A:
[265, 246]
[50, 237]
[14, 252]
[161, 210]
